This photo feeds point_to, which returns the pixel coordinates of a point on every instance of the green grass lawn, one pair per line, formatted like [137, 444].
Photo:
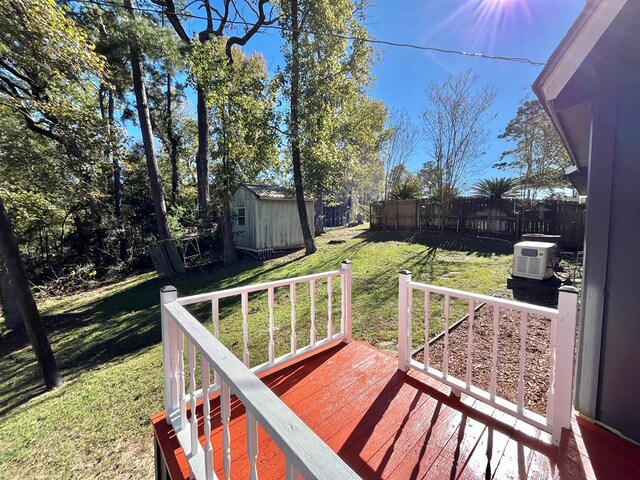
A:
[107, 343]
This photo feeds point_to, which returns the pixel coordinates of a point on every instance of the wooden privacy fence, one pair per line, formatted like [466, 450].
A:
[497, 216]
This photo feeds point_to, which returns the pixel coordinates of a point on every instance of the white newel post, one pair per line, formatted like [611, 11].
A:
[404, 331]
[346, 295]
[168, 294]
[564, 360]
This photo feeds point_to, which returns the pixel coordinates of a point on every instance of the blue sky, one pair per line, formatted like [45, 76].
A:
[517, 28]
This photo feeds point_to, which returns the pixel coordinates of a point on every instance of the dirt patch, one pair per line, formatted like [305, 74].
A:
[537, 357]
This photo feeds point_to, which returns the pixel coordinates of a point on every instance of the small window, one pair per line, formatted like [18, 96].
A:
[241, 216]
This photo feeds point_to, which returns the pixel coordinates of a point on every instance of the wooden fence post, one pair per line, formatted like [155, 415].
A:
[168, 294]
[404, 327]
[564, 354]
[346, 295]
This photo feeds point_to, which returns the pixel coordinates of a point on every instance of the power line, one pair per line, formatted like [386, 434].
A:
[105, 3]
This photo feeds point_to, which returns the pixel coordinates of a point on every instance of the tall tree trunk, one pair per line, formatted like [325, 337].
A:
[137, 72]
[202, 162]
[309, 243]
[12, 317]
[228, 248]
[26, 303]
[108, 114]
[173, 142]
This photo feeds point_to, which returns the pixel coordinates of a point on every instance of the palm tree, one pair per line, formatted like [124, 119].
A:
[406, 190]
[495, 187]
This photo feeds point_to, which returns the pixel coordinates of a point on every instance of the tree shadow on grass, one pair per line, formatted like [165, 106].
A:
[458, 242]
[105, 330]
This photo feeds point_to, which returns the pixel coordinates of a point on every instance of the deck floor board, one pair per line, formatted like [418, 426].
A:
[388, 424]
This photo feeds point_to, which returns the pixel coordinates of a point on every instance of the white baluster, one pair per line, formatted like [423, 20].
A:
[272, 344]
[312, 293]
[206, 414]
[193, 421]
[181, 396]
[225, 412]
[329, 307]
[168, 294]
[494, 363]
[245, 327]
[404, 325]
[427, 311]
[252, 446]
[553, 340]
[472, 314]
[445, 352]
[523, 352]
[346, 292]
[563, 361]
[294, 337]
[215, 316]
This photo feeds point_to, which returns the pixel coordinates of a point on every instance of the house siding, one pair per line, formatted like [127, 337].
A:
[619, 401]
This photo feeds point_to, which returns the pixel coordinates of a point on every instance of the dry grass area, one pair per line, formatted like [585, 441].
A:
[537, 357]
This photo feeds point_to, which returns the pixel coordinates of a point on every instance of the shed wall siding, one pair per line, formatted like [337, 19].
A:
[244, 236]
[278, 224]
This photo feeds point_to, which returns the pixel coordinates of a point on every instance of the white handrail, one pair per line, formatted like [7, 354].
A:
[562, 343]
[307, 454]
[311, 457]
[501, 302]
[231, 292]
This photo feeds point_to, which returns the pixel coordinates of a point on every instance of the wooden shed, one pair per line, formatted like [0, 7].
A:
[265, 219]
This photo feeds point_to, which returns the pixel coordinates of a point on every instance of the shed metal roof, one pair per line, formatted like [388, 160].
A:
[273, 192]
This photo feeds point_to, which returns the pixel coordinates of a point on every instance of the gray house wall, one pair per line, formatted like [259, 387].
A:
[618, 401]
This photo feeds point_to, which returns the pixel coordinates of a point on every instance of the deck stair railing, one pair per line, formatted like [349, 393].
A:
[305, 453]
[562, 339]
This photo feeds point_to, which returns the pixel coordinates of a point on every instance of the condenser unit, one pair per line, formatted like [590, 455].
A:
[534, 260]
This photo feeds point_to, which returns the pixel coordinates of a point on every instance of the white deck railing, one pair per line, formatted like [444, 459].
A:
[562, 338]
[306, 454]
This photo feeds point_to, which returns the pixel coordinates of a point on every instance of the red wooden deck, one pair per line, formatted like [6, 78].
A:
[388, 424]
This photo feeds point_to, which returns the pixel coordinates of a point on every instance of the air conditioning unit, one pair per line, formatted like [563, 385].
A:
[534, 259]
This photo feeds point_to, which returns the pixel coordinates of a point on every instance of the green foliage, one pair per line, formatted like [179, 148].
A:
[47, 65]
[333, 73]
[241, 99]
[407, 189]
[495, 187]
[539, 156]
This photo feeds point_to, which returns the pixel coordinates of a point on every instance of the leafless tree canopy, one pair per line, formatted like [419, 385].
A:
[403, 138]
[455, 129]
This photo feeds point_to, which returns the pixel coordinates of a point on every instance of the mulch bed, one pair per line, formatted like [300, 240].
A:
[537, 359]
